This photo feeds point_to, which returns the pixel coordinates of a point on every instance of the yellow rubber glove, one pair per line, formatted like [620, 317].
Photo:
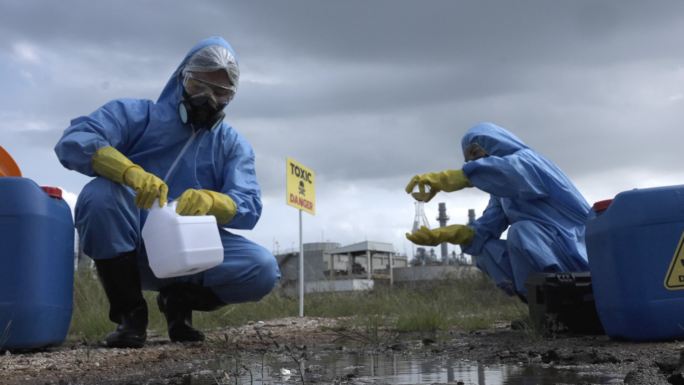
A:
[456, 234]
[449, 180]
[113, 165]
[203, 202]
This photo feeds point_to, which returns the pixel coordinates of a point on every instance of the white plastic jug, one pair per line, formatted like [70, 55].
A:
[180, 245]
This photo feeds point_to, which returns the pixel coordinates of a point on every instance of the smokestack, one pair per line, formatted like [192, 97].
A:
[471, 220]
[443, 218]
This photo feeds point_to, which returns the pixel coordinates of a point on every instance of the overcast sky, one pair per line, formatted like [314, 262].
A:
[368, 93]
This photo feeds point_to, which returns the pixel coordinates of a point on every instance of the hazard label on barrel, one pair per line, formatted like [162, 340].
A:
[674, 280]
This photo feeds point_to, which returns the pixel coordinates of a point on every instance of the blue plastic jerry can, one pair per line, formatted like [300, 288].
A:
[635, 246]
[36, 265]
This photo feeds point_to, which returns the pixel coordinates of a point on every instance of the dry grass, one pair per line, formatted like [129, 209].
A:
[469, 304]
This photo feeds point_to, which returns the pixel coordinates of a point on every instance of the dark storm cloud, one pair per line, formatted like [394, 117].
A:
[364, 90]
[481, 32]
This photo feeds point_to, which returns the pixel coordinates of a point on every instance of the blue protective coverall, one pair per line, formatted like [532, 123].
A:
[530, 196]
[152, 135]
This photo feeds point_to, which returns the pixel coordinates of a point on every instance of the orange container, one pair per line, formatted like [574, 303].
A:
[8, 167]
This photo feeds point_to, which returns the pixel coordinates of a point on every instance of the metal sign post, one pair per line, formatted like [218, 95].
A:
[301, 268]
[301, 194]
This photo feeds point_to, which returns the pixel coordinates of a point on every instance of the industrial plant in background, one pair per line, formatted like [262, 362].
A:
[329, 266]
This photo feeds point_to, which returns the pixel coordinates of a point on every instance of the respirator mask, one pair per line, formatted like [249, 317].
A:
[203, 102]
[209, 80]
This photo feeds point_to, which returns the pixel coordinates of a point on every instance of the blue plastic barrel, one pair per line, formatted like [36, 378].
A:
[36, 265]
[637, 265]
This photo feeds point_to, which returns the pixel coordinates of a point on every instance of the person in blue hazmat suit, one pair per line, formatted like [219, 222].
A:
[530, 196]
[179, 147]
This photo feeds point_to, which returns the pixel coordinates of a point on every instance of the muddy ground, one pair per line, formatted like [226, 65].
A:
[162, 362]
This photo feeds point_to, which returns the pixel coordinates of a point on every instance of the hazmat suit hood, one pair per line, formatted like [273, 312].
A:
[493, 139]
[173, 91]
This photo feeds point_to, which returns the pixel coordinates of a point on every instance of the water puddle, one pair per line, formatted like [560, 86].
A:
[337, 367]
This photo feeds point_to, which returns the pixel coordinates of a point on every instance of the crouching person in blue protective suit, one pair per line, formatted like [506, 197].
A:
[529, 195]
[178, 147]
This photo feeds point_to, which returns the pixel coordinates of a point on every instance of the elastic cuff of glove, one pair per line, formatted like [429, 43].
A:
[469, 237]
[467, 181]
[223, 207]
[463, 236]
[123, 176]
[463, 178]
[110, 163]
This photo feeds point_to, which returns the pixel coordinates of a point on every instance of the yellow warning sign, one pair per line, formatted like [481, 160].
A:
[301, 191]
[674, 280]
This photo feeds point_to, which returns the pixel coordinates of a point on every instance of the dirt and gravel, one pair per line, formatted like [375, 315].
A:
[162, 362]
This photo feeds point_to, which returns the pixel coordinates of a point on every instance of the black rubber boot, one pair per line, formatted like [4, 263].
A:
[127, 307]
[178, 301]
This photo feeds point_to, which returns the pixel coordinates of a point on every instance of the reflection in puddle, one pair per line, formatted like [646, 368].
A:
[354, 368]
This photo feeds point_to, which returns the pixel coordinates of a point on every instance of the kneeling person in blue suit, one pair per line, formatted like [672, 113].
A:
[178, 147]
[529, 195]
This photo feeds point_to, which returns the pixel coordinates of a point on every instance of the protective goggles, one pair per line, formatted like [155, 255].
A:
[195, 85]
